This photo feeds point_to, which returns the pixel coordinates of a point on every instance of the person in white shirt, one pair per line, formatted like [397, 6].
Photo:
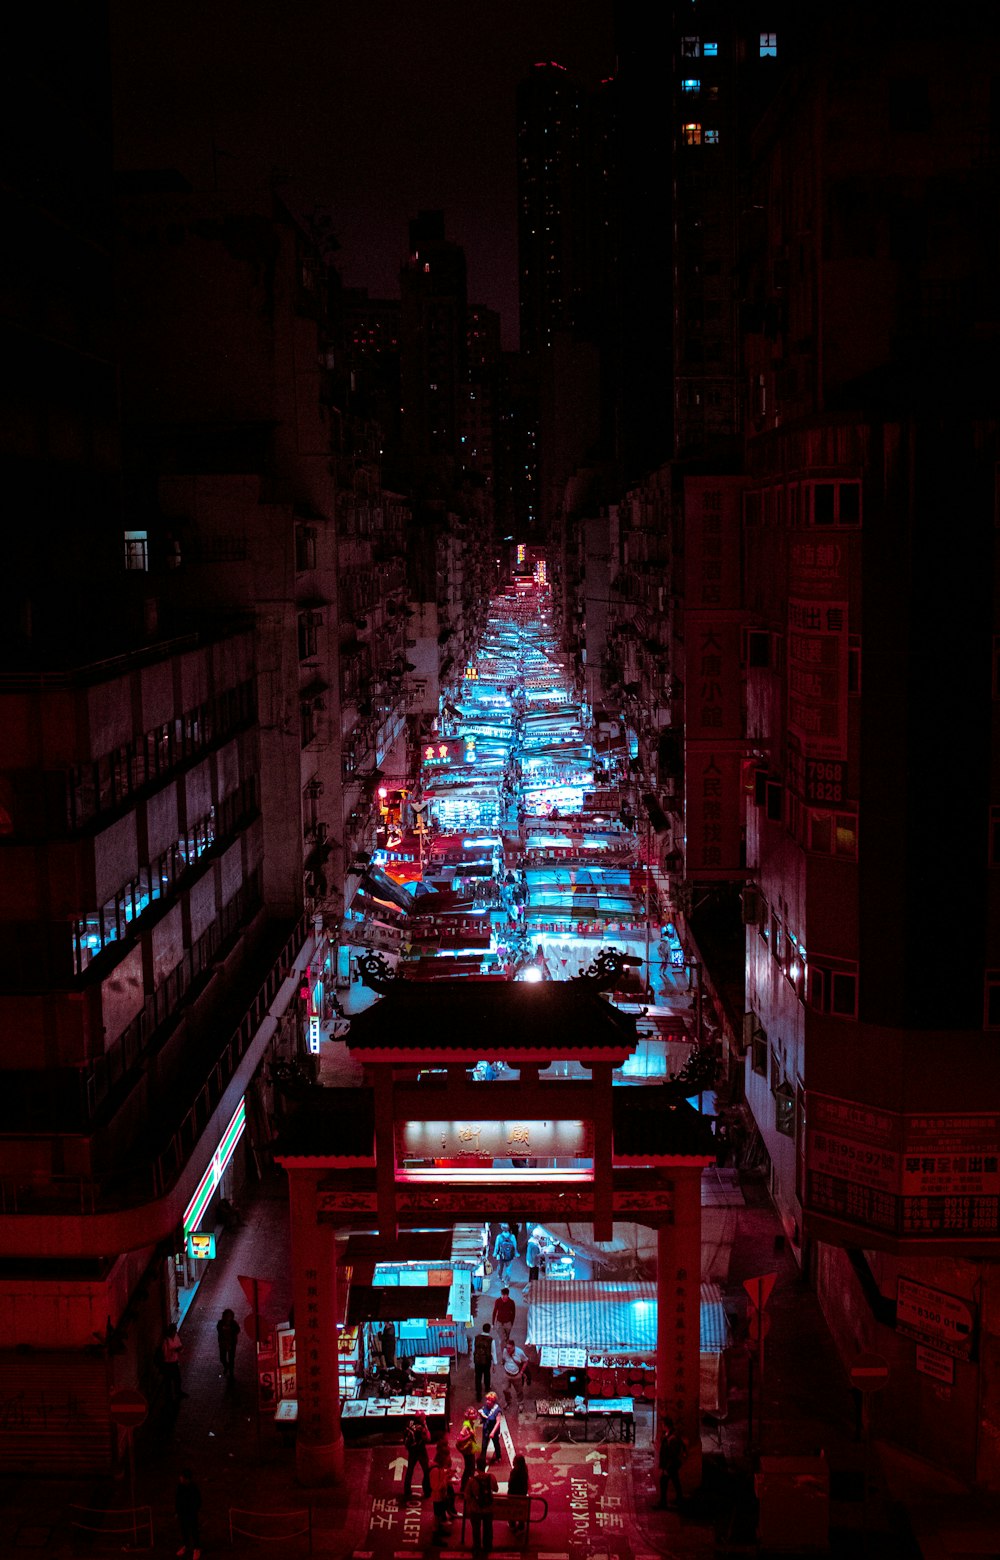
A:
[515, 1365]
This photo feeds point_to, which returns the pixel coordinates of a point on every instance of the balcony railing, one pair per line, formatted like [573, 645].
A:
[92, 1194]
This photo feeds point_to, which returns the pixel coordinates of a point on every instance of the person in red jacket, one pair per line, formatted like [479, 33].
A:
[504, 1312]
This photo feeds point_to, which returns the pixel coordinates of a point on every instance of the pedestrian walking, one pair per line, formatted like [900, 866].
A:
[533, 1252]
[442, 1491]
[490, 1415]
[416, 1437]
[504, 1313]
[469, 1442]
[673, 1450]
[228, 1329]
[517, 1484]
[479, 1493]
[515, 1370]
[187, 1504]
[483, 1358]
[387, 1338]
[504, 1252]
[170, 1361]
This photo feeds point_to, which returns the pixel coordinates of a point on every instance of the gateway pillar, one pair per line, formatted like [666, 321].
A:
[319, 1448]
[678, 1319]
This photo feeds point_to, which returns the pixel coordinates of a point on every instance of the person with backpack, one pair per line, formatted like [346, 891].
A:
[483, 1358]
[415, 1440]
[673, 1450]
[504, 1251]
[490, 1415]
[479, 1493]
[469, 1443]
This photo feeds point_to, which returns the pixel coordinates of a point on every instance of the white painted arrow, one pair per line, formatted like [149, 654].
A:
[595, 1457]
[398, 1466]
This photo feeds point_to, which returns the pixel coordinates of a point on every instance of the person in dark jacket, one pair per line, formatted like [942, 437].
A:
[479, 1493]
[228, 1329]
[517, 1484]
[187, 1504]
[672, 1454]
[416, 1437]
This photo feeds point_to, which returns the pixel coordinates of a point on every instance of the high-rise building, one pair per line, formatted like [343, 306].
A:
[148, 966]
[870, 548]
[433, 341]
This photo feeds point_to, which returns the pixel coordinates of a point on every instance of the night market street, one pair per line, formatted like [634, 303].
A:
[596, 1490]
[497, 499]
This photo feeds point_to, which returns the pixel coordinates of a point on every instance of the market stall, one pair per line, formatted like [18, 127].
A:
[612, 1325]
[410, 1321]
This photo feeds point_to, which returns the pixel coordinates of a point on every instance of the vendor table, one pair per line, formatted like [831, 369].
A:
[615, 1417]
[614, 1414]
[431, 1365]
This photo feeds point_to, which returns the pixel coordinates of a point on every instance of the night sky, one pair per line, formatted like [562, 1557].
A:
[373, 111]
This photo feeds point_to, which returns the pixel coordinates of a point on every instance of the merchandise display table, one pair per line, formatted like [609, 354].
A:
[614, 1417]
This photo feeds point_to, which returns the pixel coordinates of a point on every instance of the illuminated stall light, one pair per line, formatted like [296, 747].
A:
[216, 1169]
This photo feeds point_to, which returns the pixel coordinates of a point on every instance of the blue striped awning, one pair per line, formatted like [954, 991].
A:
[611, 1317]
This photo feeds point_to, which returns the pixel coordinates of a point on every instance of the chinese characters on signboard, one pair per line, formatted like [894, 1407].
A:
[483, 1142]
[908, 1175]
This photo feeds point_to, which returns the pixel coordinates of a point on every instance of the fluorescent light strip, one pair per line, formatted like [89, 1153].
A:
[216, 1168]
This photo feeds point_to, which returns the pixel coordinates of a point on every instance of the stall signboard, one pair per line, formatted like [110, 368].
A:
[507, 1439]
[267, 1380]
[201, 1245]
[940, 1367]
[468, 1143]
[933, 1317]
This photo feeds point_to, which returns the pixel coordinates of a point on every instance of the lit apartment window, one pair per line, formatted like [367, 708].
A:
[769, 46]
[833, 834]
[711, 137]
[691, 84]
[710, 51]
[690, 48]
[137, 550]
[692, 134]
[784, 1109]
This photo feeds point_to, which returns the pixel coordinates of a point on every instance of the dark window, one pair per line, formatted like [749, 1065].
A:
[758, 1051]
[775, 800]
[758, 647]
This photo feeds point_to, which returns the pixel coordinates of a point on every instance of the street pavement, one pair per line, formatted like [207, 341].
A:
[600, 1496]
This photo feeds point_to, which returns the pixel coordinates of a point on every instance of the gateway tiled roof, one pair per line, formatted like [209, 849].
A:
[657, 1120]
[492, 1018]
